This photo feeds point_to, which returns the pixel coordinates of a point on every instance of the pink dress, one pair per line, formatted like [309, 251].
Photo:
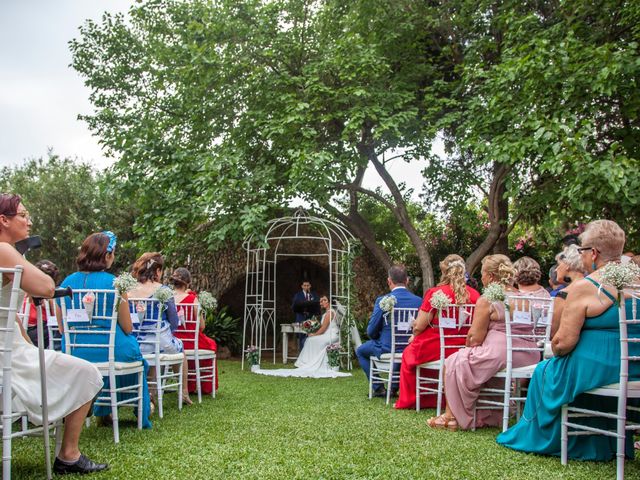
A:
[470, 369]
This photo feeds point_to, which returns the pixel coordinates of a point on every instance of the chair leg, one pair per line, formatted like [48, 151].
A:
[114, 408]
[389, 383]
[564, 435]
[196, 364]
[140, 399]
[418, 389]
[159, 389]
[440, 390]
[6, 445]
[214, 364]
[622, 433]
[505, 407]
[370, 384]
[180, 373]
[58, 437]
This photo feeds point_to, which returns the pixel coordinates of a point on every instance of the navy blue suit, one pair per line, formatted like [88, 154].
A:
[302, 316]
[379, 331]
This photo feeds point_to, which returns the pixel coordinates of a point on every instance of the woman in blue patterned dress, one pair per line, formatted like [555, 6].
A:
[97, 254]
[148, 271]
[587, 356]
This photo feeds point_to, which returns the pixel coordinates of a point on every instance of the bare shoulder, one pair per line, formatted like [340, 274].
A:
[9, 256]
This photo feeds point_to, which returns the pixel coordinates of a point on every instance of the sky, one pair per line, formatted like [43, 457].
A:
[41, 96]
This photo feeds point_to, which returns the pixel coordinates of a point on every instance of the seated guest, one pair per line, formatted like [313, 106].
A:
[470, 369]
[528, 275]
[570, 268]
[425, 343]
[555, 284]
[379, 330]
[97, 254]
[148, 271]
[636, 259]
[50, 269]
[72, 383]
[587, 356]
[181, 281]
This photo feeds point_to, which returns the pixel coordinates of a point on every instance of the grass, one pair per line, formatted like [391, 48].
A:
[279, 428]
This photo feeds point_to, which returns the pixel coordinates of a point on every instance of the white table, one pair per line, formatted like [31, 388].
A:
[286, 329]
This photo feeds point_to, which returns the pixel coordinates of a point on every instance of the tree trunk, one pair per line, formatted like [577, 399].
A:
[497, 235]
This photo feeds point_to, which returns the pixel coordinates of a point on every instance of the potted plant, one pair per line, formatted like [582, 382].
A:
[252, 355]
[333, 352]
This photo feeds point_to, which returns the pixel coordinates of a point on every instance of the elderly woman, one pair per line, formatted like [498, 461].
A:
[587, 349]
[570, 269]
[425, 343]
[469, 370]
[71, 382]
[528, 275]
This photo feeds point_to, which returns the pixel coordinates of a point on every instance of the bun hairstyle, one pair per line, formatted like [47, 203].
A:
[181, 278]
[50, 268]
[500, 267]
[527, 271]
[453, 270]
[146, 267]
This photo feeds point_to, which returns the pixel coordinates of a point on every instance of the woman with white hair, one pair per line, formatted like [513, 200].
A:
[569, 270]
[587, 356]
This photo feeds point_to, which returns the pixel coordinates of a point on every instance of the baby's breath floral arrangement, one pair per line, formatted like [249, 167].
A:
[387, 303]
[163, 294]
[207, 301]
[124, 283]
[494, 292]
[440, 300]
[620, 276]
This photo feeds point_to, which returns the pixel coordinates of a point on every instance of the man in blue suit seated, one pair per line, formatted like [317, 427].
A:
[379, 330]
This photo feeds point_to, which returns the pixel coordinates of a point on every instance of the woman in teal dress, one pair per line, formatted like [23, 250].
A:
[96, 255]
[587, 356]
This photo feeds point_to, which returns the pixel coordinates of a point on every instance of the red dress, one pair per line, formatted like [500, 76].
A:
[204, 343]
[425, 347]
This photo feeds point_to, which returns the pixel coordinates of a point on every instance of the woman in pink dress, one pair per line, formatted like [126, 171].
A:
[181, 281]
[468, 370]
[425, 343]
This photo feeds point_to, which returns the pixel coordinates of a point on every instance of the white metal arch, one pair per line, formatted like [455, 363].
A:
[262, 259]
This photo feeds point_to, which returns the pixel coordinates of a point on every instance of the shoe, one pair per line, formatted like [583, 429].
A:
[186, 400]
[106, 421]
[82, 465]
[380, 393]
[443, 423]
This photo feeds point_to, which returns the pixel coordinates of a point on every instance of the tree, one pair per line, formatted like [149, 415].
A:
[234, 107]
[68, 201]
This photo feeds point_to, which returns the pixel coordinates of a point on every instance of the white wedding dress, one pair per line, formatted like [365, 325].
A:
[313, 360]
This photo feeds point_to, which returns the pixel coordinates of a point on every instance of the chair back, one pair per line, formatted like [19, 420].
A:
[190, 318]
[146, 316]
[629, 333]
[402, 322]
[8, 316]
[89, 319]
[528, 318]
[51, 321]
[454, 322]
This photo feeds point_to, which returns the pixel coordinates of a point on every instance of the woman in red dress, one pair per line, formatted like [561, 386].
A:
[181, 280]
[425, 344]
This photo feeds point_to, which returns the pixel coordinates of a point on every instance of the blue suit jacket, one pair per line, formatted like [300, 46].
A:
[378, 329]
[299, 297]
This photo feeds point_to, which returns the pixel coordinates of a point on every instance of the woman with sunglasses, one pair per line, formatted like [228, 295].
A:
[587, 356]
[72, 383]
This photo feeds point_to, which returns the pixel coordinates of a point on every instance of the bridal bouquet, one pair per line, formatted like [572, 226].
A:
[440, 300]
[494, 292]
[310, 326]
[252, 355]
[125, 283]
[333, 352]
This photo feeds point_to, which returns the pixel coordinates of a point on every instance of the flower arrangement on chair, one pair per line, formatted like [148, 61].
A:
[207, 301]
[311, 325]
[440, 300]
[333, 352]
[124, 283]
[494, 292]
[163, 295]
[252, 355]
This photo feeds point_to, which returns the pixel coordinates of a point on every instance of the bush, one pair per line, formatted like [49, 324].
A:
[224, 329]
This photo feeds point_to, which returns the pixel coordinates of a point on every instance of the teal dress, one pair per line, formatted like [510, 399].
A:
[126, 346]
[593, 363]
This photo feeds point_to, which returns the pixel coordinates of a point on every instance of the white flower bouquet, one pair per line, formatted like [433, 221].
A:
[440, 300]
[494, 292]
[387, 303]
[124, 283]
[163, 295]
[620, 276]
[207, 301]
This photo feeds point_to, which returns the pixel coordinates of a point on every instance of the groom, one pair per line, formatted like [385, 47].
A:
[378, 330]
[304, 307]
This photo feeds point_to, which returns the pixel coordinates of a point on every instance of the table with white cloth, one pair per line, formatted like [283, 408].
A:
[286, 329]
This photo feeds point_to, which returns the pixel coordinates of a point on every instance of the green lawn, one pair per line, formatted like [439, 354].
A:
[279, 428]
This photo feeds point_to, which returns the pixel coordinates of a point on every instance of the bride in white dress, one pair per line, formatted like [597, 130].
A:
[313, 360]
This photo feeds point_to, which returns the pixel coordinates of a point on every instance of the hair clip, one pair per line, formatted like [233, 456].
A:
[113, 240]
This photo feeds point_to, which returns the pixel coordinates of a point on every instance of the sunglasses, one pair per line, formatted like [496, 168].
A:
[23, 214]
[586, 249]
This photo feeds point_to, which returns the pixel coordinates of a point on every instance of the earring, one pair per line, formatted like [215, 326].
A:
[594, 266]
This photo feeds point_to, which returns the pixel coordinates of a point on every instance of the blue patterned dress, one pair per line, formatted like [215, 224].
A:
[126, 346]
[593, 363]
